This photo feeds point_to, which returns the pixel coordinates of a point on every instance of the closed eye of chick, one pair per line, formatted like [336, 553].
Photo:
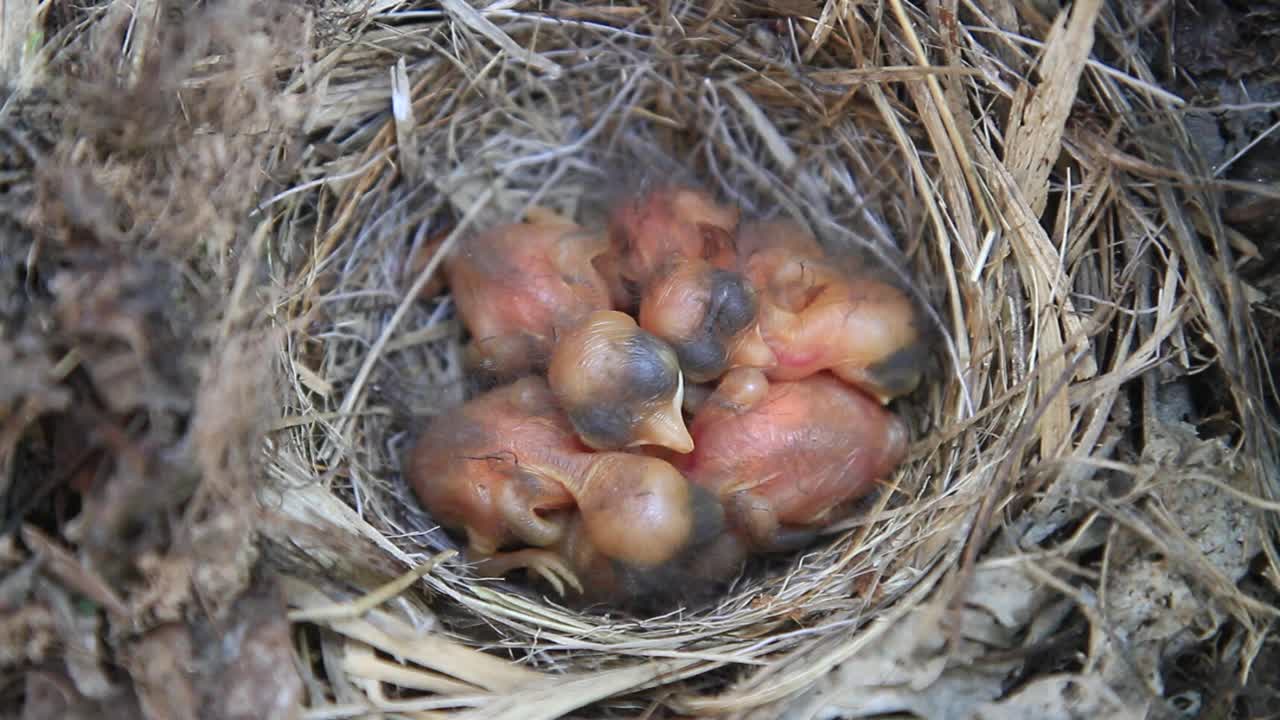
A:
[816, 315]
[482, 469]
[708, 315]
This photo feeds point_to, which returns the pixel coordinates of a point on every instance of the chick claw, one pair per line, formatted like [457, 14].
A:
[547, 564]
[554, 571]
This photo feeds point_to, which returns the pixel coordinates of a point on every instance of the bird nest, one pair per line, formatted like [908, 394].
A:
[1091, 482]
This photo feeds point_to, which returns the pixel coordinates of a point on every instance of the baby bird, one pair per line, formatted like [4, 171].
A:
[482, 469]
[641, 526]
[507, 469]
[785, 235]
[786, 457]
[817, 316]
[681, 571]
[647, 231]
[708, 315]
[621, 386]
[516, 284]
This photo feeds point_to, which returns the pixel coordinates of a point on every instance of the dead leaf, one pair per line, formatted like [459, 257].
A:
[27, 635]
[224, 556]
[162, 668]
[1062, 697]
[81, 642]
[51, 696]
[253, 672]
[910, 671]
[165, 593]
[62, 565]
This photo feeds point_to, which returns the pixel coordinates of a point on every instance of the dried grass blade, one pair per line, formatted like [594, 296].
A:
[958, 146]
[831, 9]
[402, 112]
[828, 653]
[1037, 119]
[20, 23]
[886, 73]
[556, 699]
[375, 353]
[959, 327]
[65, 567]
[359, 660]
[373, 599]
[436, 653]
[469, 16]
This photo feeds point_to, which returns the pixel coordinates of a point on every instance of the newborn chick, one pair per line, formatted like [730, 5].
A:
[784, 457]
[708, 315]
[670, 221]
[620, 385]
[641, 511]
[482, 469]
[640, 524]
[516, 284]
[816, 316]
[637, 567]
[507, 469]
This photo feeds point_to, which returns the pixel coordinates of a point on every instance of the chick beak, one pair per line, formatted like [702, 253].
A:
[666, 427]
[866, 381]
[753, 351]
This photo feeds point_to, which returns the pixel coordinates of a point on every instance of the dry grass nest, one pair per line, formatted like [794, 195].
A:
[222, 213]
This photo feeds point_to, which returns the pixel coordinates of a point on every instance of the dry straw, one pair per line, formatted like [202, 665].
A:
[1025, 169]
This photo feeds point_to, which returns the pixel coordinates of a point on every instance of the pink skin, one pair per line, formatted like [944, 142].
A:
[675, 307]
[784, 457]
[508, 469]
[646, 232]
[816, 317]
[516, 284]
[473, 468]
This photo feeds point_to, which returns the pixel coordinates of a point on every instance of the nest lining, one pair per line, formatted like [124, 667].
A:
[1055, 286]
[573, 179]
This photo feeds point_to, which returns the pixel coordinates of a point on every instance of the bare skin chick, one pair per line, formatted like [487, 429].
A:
[816, 316]
[620, 385]
[516, 284]
[507, 469]
[708, 315]
[639, 524]
[484, 469]
[686, 553]
[647, 231]
[640, 510]
[786, 457]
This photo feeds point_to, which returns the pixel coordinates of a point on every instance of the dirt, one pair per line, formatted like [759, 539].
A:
[134, 402]
[1225, 56]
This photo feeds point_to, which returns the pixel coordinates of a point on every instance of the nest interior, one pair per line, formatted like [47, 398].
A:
[229, 234]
